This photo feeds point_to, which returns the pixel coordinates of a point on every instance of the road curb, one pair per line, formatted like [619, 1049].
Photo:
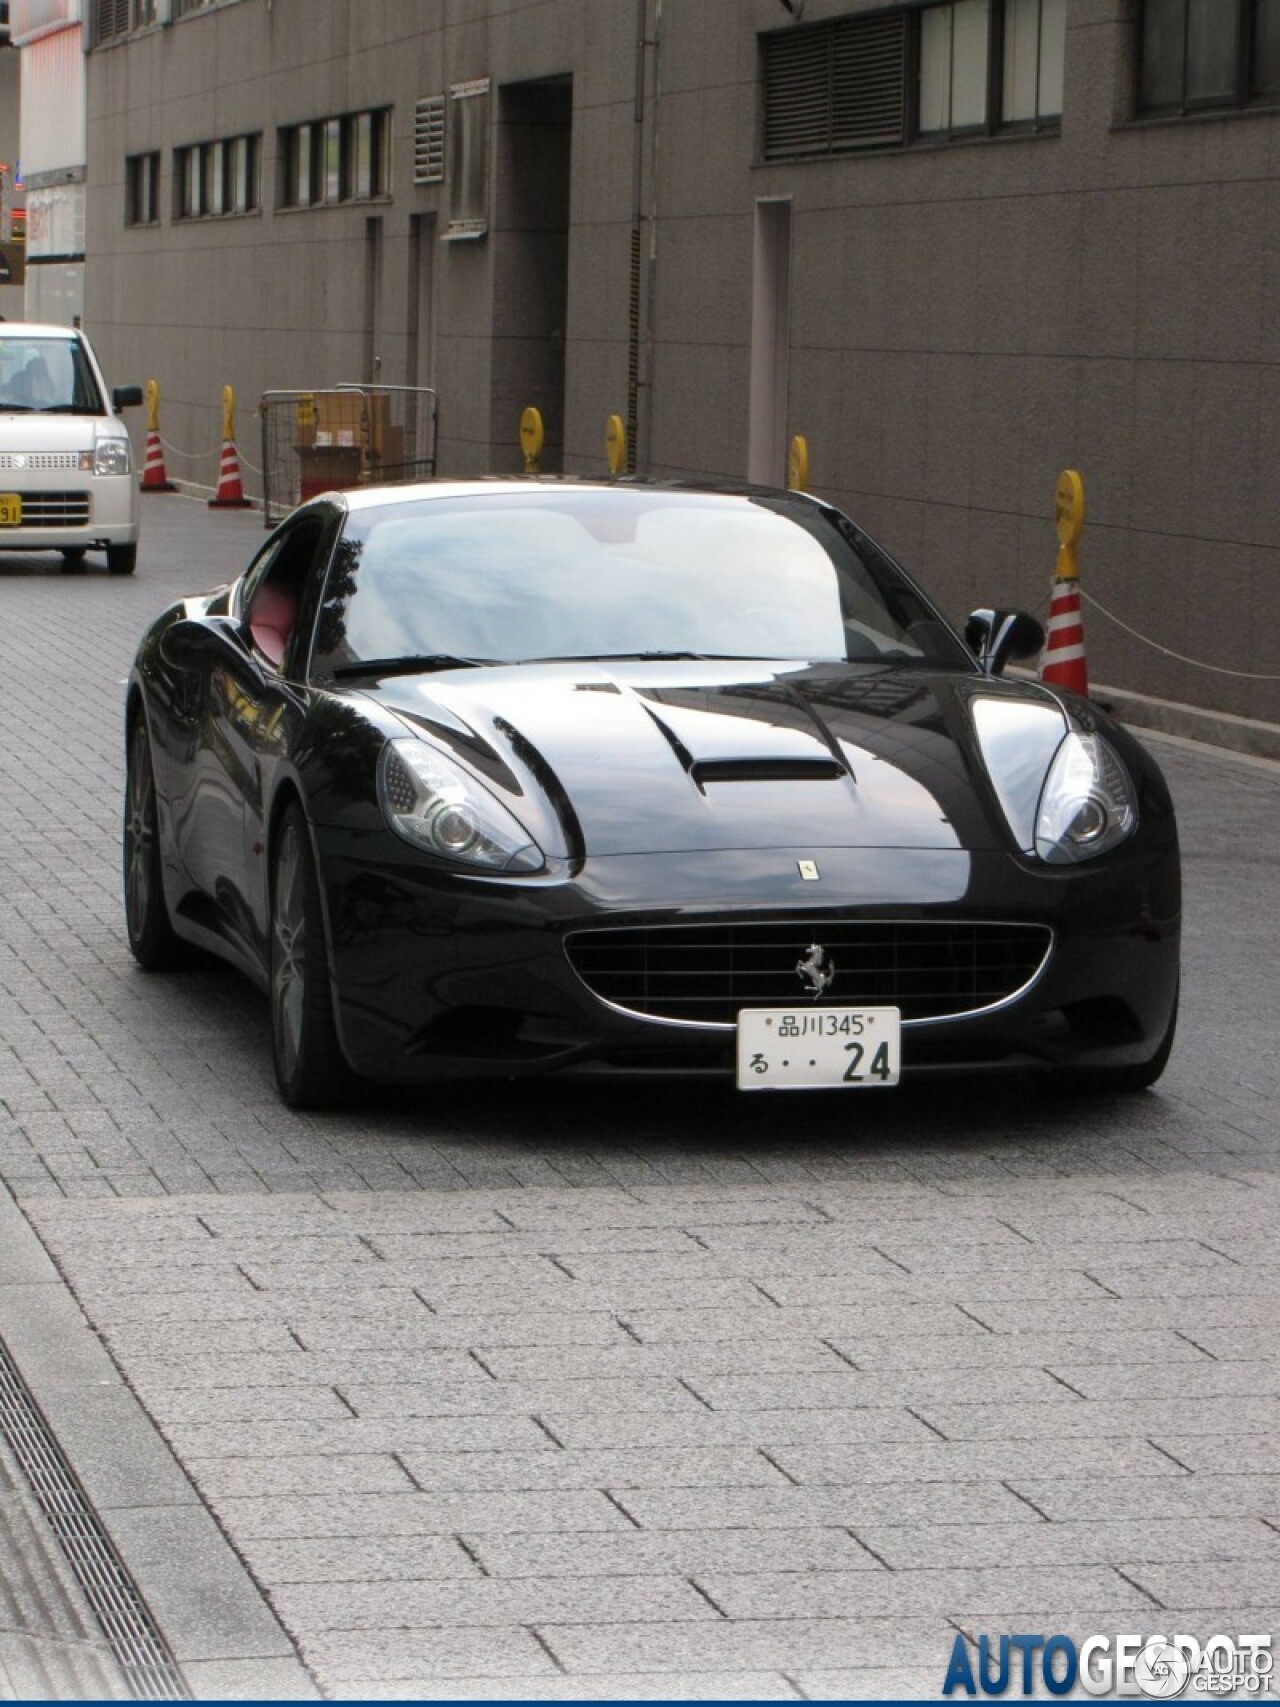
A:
[219, 1628]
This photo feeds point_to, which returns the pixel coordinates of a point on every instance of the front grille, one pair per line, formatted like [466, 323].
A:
[55, 509]
[41, 460]
[930, 969]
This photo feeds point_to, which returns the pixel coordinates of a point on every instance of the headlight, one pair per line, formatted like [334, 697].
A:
[1087, 806]
[1065, 794]
[439, 807]
[111, 456]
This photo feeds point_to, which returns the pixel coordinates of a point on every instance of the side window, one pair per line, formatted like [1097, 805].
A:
[275, 587]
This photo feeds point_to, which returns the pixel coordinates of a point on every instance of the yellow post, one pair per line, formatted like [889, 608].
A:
[1068, 503]
[798, 464]
[153, 406]
[228, 414]
[531, 435]
[615, 444]
[305, 418]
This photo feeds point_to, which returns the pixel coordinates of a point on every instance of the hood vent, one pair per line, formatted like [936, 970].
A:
[704, 771]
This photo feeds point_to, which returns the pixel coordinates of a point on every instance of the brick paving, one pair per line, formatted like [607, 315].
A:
[562, 1392]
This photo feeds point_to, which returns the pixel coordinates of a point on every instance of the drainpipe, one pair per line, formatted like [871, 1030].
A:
[637, 216]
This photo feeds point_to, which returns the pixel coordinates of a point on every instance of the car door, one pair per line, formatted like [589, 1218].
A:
[242, 718]
[259, 704]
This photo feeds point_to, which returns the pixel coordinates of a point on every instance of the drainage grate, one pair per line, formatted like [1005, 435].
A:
[148, 1667]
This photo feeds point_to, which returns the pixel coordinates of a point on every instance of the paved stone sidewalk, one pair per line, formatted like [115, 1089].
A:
[732, 1440]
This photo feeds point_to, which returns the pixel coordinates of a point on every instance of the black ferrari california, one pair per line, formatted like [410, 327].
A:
[512, 777]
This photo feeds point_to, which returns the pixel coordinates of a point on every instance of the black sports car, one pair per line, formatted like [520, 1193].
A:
[507, 777]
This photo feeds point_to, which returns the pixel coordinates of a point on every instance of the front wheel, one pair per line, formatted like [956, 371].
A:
[73, 559]
[152, 940]
[310, 1069]
[122, 559]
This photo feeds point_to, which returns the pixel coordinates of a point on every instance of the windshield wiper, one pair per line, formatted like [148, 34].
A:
[16, 409]
[409, 664]
[68, 409]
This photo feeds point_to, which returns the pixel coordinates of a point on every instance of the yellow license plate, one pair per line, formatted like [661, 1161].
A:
[10, 510]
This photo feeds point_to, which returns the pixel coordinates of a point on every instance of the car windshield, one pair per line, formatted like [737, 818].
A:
[618, 573]
[47, 375]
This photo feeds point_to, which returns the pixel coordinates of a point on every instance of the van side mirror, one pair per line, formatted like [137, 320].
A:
[996, 636]
[126, 397]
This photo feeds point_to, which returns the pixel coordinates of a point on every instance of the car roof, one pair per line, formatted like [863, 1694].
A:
[35, 329]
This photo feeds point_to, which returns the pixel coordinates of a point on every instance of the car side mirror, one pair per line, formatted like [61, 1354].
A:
[198, 642]
[126, 397]
[996, 636]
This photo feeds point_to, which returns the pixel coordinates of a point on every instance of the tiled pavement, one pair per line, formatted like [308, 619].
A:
[560, 1390]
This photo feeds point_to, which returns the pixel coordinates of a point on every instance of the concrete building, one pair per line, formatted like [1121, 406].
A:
[49, 37]
[957, 246]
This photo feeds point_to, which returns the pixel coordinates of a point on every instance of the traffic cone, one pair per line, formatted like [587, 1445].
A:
[1062, 661]
[230, 493]
[155, 477]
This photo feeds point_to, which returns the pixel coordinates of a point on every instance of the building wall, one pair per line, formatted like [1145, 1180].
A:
[966, 319]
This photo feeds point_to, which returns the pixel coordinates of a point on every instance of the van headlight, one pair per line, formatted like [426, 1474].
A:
[444, 810]
[111, 456]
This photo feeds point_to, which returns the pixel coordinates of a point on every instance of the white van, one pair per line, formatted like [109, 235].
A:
[66, 467]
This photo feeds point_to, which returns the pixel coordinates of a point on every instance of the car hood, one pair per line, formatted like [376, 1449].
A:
[647, 757]
[24, 431]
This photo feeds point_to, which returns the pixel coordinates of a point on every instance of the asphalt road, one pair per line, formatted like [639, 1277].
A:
[563, 1390]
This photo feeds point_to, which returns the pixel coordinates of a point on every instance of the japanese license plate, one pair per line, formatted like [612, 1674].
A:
[10, 509]
[792, 1049]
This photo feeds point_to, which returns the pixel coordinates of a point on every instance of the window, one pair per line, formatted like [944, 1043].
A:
[328, 161]
[882, 79]
[1198, 54]
[211, 179]
[110, 18]
[955, 48]
[1035, 34]
[142, 189]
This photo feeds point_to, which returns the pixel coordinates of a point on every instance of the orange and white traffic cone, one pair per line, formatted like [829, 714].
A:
[230, 493]
[155, 477]
[1062, 662]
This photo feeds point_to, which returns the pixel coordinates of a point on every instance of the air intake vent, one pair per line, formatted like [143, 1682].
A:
[837, 86]
[428, 140]
[929, 969]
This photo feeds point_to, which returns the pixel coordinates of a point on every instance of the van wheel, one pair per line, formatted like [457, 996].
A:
[73, 559]
[122, 559]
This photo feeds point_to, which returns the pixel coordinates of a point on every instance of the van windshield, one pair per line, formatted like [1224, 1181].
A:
[47, 376]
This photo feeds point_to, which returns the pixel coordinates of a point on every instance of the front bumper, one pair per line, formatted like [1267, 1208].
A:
[445, 976]
[70, 508]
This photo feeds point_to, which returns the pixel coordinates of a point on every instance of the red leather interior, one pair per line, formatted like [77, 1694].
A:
[271, 619]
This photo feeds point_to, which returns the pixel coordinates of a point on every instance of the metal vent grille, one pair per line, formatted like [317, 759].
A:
[145, 1661]
[837, 86]
[40, 459]
[428, 140]
[55, 509]
[706, 973]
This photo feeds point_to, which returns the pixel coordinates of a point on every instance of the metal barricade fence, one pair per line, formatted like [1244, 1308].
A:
[331, 438]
